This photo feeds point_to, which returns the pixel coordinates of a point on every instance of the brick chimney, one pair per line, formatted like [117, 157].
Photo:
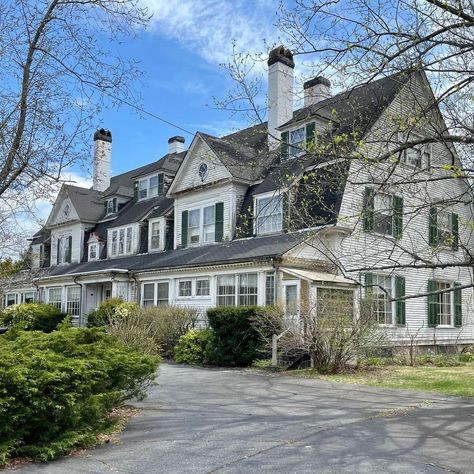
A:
[316, 90]
[175, 145]
[280, 92]
[102, 159]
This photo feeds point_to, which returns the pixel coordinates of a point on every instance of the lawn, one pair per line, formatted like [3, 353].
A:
[458, 381]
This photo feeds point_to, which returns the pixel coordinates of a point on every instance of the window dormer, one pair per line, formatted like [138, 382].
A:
[149, 187]
[295, 142]
[111, 206]
[94, 247]
[268, 212]
[156, 234]
[122, 241]
[202, 225]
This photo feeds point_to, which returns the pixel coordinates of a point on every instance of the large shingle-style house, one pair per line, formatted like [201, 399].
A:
[273, 214]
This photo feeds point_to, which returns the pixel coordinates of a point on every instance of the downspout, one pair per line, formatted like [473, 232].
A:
[137, 292]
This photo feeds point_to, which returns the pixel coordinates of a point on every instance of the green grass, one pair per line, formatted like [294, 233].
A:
[458, 381]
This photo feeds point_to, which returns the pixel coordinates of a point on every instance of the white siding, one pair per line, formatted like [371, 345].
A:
[77, 233]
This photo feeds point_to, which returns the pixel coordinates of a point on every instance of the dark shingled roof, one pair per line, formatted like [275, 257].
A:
[357, 108]
[86, 202]
[244, 153]
[169, 162]
[136, 211]
[228, 252]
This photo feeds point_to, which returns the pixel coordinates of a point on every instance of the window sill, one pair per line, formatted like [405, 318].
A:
[445, 326]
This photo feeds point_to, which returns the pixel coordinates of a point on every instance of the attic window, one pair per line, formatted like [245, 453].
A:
[296, 141]
[150, 187]
[111, 206]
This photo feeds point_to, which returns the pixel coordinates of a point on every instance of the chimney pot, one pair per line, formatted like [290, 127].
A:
[316, 90]
[175, 144]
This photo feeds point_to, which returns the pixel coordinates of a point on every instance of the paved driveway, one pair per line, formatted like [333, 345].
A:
[205, 420]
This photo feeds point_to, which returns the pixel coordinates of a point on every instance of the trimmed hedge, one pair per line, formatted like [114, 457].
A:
[32, 317]
[57, 389]
[235, 341]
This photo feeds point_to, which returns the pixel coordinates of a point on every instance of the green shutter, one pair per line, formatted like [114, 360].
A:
[397, 217]
[69, 249]
[457, 305]
[433, 237]
[114, 205]
[160, 184]
[432, 303]
[368, 284]
[284, 146]
[369, 194]
[135, 191]
[455, 231]
[219, 226]
[184, 229]
[58, 250]
[400, 304]
[310, 138]
[285, 211]
[105, 208]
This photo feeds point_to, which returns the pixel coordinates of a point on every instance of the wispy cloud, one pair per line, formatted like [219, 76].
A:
[209, 27]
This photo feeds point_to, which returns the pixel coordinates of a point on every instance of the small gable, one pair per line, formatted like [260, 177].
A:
[63, 211]
[201, 166]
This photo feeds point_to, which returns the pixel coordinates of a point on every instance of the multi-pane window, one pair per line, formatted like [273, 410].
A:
[155, 293]
[444, 303]
[444, 228]
[247, 295]
[381, 293]
[150, 187]
[93, 251]
[28, 297]
[10, 299]
[162, 293]
[73, 301]
[64, 249]
[121, 241]
[148, 294]
[226, 290]
[194, 226]
[383, 214]
[55, 297]
[335, 303]
[270, 289]
[202, 287]
[417, 156]
[268, 214]
[111, 206]
[297, 141]
[155, 235]
[208, 224]
[237, 290]
[185, 288]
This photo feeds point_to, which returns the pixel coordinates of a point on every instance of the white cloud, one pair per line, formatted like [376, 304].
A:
[209, 27]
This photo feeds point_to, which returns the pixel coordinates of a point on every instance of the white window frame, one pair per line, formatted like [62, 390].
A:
[272, 195]
[450, 295]
[64, 238]
[155, 292]
[10, 294]
[56, 303]
[294, 147]
[73, 303]
[421, 149]
[114, 237]
[146, 182]
[97, 250]
[194, 287]
[208, 287]
[187, 284]
[237, 295]
[384, 212]
[162, 229]
[376, 290]
[201, 226]
[444, 240]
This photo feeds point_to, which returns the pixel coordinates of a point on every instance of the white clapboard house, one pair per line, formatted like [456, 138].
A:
[236, 220]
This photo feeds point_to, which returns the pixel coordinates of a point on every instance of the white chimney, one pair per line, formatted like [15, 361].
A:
[316, 90]
[280, 92]
[102, 159]
[175, 145]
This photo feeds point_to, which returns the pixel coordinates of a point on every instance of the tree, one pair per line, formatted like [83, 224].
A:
[356, 42]
[59, 69]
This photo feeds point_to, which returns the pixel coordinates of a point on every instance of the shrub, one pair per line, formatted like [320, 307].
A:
[192, 347]
[56, 389]
[168, 324]
[438, 360]
[32, 317]
[236, 340]
[466, 357]
[113, 308]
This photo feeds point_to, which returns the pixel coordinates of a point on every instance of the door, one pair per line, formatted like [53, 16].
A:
[291, 302]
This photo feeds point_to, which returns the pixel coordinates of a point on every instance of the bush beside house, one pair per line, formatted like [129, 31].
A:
[32, 317]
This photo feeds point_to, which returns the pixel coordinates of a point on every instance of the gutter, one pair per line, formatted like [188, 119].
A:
[112, 270]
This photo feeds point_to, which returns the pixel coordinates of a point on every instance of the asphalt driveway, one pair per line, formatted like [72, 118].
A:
[204, 420]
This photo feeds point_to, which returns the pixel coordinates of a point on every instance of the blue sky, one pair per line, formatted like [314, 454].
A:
[180, 54]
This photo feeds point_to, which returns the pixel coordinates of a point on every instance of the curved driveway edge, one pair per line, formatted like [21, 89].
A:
[215, 420]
